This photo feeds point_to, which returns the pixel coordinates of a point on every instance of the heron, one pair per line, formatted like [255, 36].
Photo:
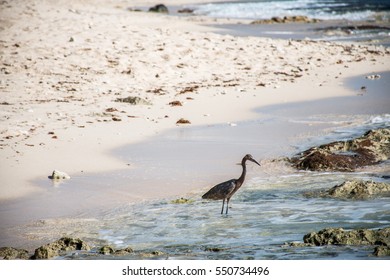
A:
[227, 189]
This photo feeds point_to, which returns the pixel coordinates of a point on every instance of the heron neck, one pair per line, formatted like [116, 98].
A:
[242, 177]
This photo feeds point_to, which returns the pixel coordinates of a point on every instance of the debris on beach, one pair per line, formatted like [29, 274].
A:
[133, 100]
[183, 121]
[59, 175]
[175, 103]
[371, 148]
[373, 77]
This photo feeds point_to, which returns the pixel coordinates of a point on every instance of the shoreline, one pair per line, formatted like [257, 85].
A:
[57, 92]
[94, 199]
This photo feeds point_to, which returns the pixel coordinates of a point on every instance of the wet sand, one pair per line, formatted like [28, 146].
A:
[330, 30]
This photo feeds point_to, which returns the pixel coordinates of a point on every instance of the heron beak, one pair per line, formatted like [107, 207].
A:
[253, 160]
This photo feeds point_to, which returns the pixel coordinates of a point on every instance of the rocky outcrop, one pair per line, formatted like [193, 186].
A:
[108, 250]
[371, 148]
[160, 8]
[358, 189]
[62, 245]
[382, 251]
[9, 253]
[286, 19]
[355, 189]
[339, 236]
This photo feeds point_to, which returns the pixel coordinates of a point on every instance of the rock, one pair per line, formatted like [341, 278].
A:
[59, 175]
[358, 189]
[214, 249]
[123, 252]
[9, 253]
[354, 189]
[373, 77]
[160, 8]
[183, 121]
[185, 11]
[297, 244]
[133, 100]
[371, 148]
[106, 250]
[182, 201]
[153, 254]
[338, 236]
[286, 19]
[382, 251]
[55, 248]
[175, 103]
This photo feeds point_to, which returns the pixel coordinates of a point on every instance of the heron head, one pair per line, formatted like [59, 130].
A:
[249, 157]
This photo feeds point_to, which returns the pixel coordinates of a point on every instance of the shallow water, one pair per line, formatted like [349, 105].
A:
[264, 214]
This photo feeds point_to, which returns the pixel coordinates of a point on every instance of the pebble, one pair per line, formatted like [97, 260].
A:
[373, 77]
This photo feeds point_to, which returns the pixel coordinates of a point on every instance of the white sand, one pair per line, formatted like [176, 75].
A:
[64, 63]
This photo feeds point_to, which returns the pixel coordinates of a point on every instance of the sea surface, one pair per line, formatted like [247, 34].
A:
[320, 9]
[341, 20]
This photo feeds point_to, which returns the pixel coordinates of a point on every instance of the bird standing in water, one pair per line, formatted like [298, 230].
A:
[227, 189]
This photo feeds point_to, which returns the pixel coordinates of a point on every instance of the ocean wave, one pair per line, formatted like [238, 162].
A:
[325, 10]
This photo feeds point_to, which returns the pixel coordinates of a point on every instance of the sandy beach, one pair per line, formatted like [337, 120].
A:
[66, 64]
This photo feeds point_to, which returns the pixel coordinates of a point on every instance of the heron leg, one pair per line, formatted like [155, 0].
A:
[223, 204]
[227, 205]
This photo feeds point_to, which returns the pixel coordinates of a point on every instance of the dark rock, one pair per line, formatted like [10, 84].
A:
[286, 19]
[183, 121]
[133, 100]
[371, 148]
[185, 11]
[214, 249]
[175, 103]
[382, 251]
[62, 245]
[338, 236]
[160, 8]
[9, 253]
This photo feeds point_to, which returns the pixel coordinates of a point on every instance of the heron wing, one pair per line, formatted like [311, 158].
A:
[221, 191]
